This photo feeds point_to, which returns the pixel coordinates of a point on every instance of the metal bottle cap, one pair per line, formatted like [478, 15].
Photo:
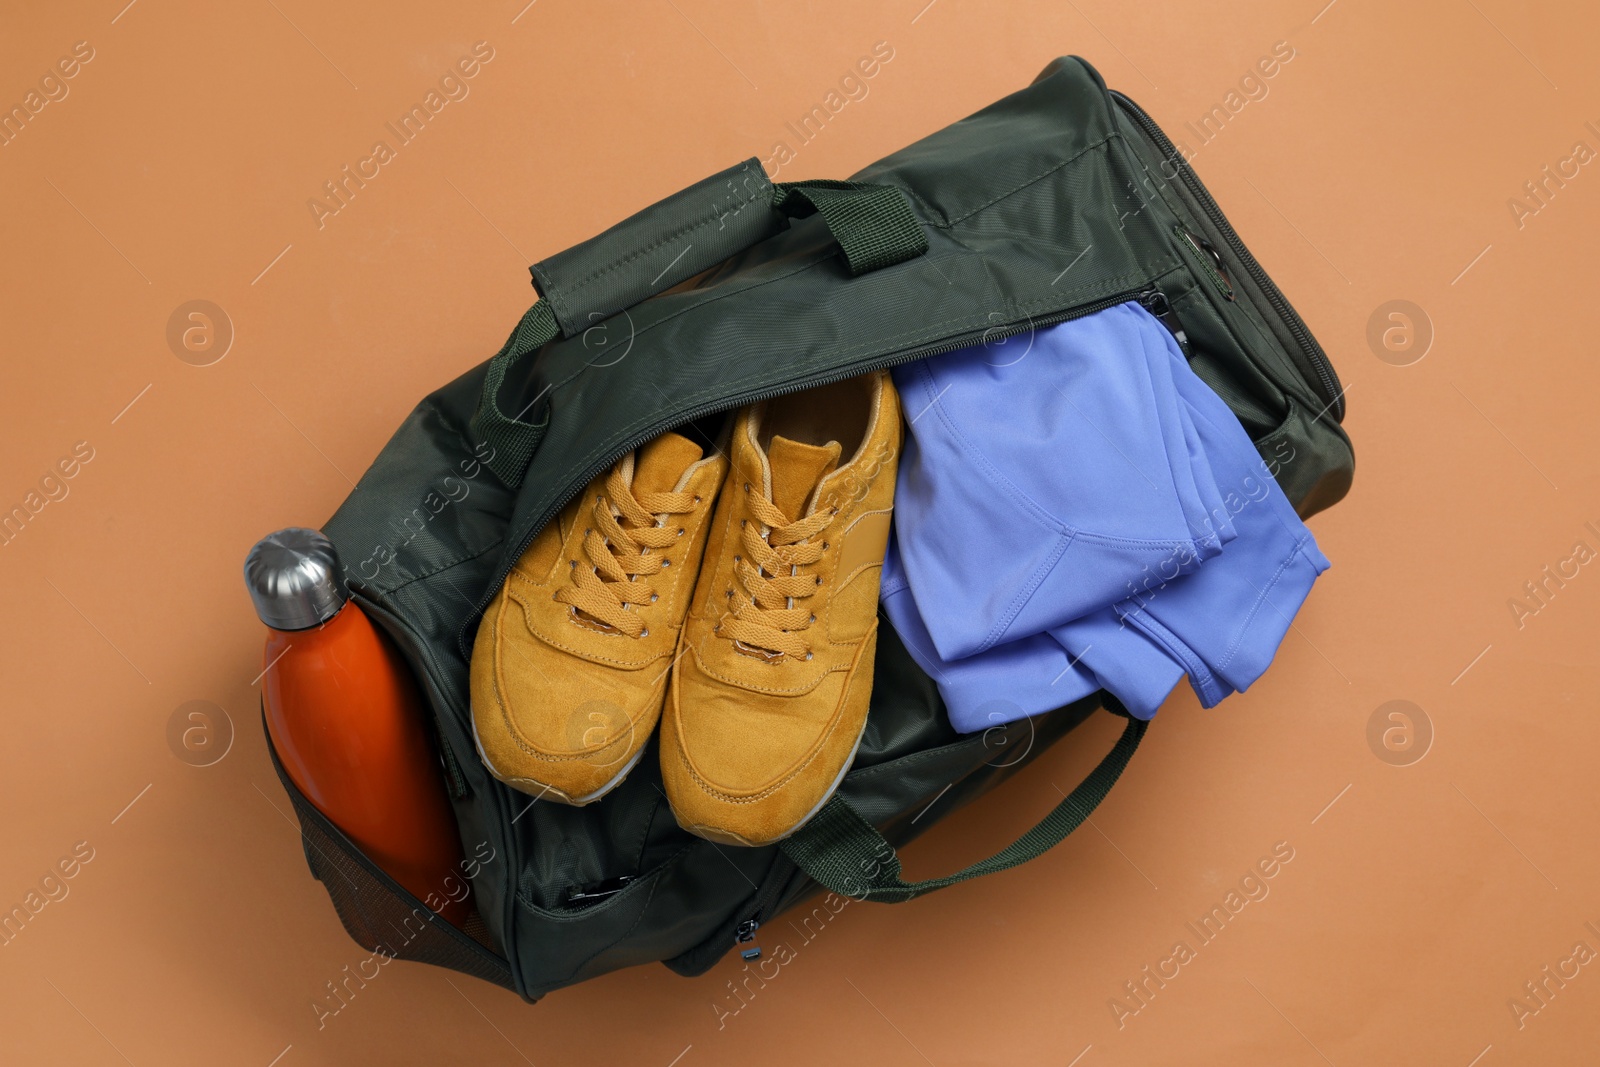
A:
[294, 579]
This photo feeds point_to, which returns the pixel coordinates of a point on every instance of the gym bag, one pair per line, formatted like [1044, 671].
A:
[1055, 202]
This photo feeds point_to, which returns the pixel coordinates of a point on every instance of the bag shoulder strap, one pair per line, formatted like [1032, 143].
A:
[844, 852]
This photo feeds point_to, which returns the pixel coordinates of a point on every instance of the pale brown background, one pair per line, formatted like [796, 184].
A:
[1378, 168]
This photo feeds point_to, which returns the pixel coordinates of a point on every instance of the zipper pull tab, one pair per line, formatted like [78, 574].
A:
[745, 933]
[1156, 302]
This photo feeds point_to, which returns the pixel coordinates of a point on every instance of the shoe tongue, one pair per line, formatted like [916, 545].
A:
[659, 465]
[796, 470]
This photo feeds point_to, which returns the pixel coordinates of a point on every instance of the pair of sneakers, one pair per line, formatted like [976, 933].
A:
[729, 597]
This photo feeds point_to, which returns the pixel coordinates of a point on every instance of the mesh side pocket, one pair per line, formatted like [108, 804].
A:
[379, 913]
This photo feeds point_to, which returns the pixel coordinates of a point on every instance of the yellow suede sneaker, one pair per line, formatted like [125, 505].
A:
[571, 661]
[768, 701]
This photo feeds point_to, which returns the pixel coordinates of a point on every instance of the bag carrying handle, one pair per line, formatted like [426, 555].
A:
[842, 851]
[670, 242]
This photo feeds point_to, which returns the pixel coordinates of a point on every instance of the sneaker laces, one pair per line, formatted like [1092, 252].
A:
[627, 526]
[773, 615]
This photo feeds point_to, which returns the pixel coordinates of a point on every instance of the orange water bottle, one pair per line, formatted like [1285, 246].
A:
[347, 722]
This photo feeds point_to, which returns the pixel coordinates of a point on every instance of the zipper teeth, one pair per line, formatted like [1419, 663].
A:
[1318, 359]
[813, 382]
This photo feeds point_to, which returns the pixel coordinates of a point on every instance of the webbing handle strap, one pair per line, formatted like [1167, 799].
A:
[511, 438]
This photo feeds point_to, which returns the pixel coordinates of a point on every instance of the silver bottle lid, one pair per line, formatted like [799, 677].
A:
[294, 579]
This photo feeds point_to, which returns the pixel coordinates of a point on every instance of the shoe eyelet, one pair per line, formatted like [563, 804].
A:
[730, 592]
[824, 546]
[747, 487]
[644, 633]
[808, 657]
[736, 559]
[654, 597]
[697, 498]
[819, 579]
[680, 531]
[665, 564]
[811, 620]
[744, 523]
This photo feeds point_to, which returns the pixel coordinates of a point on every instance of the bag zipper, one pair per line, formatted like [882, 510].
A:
[1156, 302]
[745, 933]
[767, 899]
[727, 404]
[1314, 356]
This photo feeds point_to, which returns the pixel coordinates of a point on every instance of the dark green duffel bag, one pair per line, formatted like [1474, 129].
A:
[1058, 201]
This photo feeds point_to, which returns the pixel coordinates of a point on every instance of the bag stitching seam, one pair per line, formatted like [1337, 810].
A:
[596, 275]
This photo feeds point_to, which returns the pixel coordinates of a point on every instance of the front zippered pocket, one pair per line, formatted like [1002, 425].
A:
[1322, 374]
